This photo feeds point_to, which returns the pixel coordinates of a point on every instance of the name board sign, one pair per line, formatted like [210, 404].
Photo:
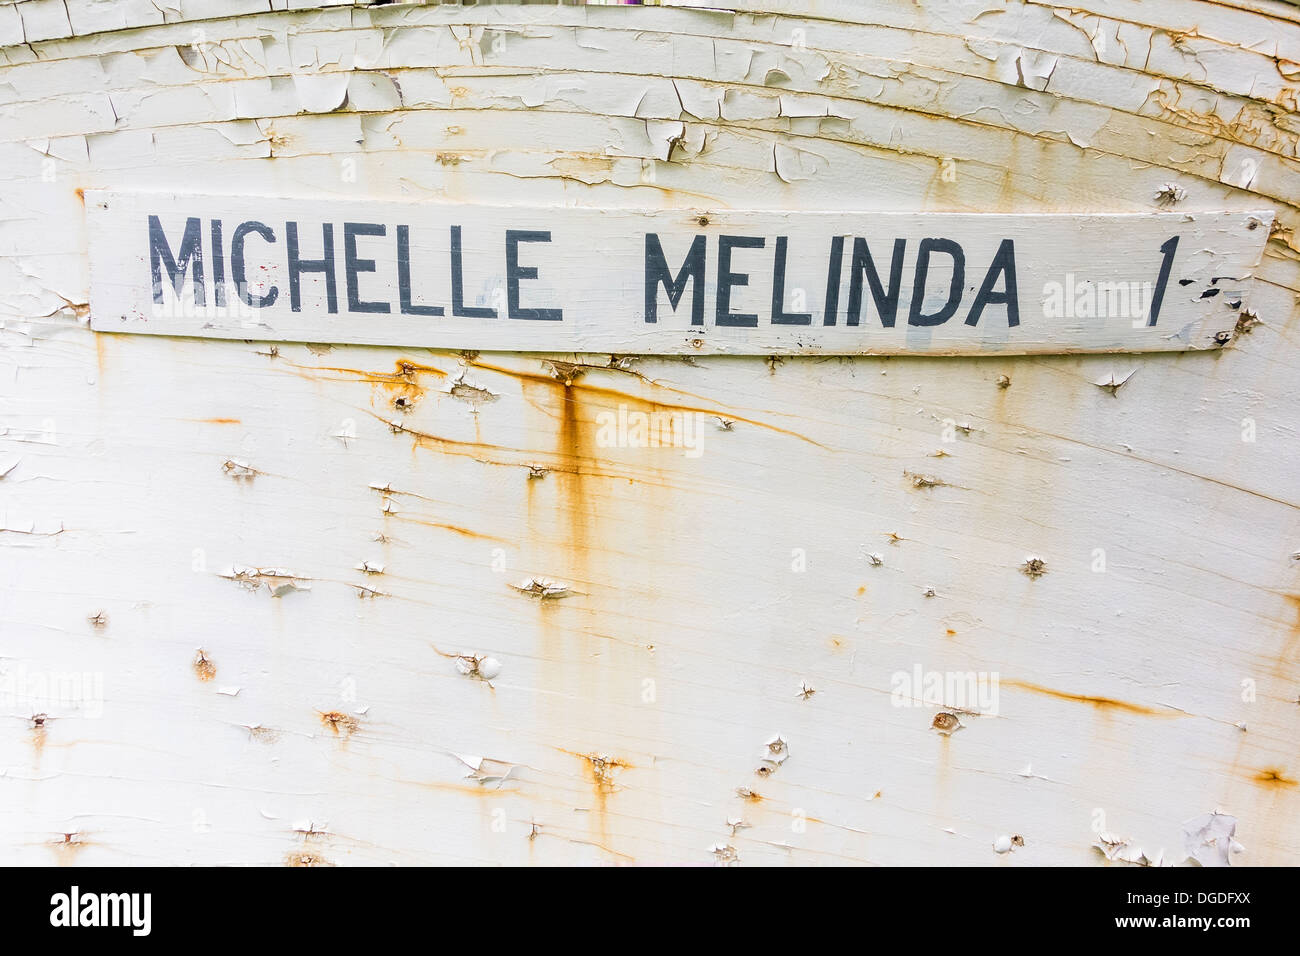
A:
[505, 278]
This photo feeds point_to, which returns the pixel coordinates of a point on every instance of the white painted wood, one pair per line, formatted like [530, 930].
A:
[582, 646]
[751, 283]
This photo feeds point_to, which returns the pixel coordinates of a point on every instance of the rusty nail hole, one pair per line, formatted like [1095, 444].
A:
[339, 722]
[945, 723]
[923, 481]
[203, 666]
[306, 859]
[1034, 567]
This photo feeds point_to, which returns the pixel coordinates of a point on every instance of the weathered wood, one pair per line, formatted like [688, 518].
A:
[338, 603]
[666, 282]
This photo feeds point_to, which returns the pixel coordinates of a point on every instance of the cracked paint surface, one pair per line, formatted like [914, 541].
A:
[250, 585]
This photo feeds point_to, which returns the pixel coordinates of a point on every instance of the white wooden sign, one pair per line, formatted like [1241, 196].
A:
[665, 281]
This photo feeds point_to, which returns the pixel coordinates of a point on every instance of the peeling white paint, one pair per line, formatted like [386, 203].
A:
[641, 623]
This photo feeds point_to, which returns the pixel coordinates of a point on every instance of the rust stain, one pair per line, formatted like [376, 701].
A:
[67, 846]
[402, 383]
[339, 723]
[264, 735]
[572, 458]
[479, 790]
[1274, 778]
[569, 444]
[216, 421]
[204, 669]
[39, 731]
[1101, 703]
[305, 858]
[455, 529]
[1291, 646]
[945, 723]
[589, 391]
[101, 343]
[603, 769]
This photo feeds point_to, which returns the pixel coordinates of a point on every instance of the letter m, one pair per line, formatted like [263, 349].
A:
[657, 273]
[160, 257]
[116, 909]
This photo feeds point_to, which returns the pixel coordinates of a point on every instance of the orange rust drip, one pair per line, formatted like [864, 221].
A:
[455, 529]
[591, 391]
[403, 375]
[1101, 703]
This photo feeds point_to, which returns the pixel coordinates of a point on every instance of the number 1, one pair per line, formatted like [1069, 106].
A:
[1158, 296]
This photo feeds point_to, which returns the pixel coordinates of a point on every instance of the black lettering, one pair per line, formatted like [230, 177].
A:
[404, 277]
[947, 246]
[657, 273]
[515, 272]
[1168, 247]
[886, 302]
[458, 307]
[160, 255]
[353, 265]
[238, 269]
[727, 279]
[1004, 263]
[833, 281]
[298, 266]
[218, 266]
[779, 315]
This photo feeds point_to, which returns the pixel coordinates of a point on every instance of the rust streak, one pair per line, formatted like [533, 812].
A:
[475, 450]
[455, 529]
[404, 375]
[593, 391]
[1273, 778]
[1101, 703]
